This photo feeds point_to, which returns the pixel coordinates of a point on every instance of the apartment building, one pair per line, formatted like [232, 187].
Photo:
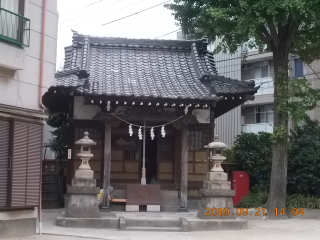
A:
[28, 39]
[255, 116]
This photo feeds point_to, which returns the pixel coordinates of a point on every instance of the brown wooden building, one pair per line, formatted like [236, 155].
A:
[109, 83]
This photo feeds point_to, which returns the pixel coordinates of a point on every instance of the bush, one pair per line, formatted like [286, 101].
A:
[258, 196]
[253, 152]
[59, 139]
[304, 159]
[229, 154]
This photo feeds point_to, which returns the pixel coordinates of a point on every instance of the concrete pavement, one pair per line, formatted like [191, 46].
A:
[290, 229]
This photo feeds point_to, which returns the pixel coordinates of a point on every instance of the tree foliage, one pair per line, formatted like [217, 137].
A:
[252, 152]
[259, 22]
[59, 140]
[304, 159]
[285, 27]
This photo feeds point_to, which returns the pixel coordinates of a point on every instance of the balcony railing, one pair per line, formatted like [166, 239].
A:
[258, 127]
[14, 28]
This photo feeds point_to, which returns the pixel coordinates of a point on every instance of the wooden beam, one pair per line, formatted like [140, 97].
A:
[184, 168]
[107, 164]
[186, 119]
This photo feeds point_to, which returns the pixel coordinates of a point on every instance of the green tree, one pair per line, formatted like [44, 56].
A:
[304, 159]
[252, 153]
[59, 140]
[284, 27]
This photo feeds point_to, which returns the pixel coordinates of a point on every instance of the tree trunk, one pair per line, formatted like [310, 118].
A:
[278, 183]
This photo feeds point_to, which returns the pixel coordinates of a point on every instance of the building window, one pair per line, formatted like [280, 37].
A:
[258, 114]
[256, 70]
[298, 68]
[14, 27]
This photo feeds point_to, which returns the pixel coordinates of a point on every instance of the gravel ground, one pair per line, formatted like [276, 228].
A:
[290, 229]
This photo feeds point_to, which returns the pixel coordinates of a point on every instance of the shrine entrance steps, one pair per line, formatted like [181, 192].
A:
[169, 201]
[158, 225]
[148, 221]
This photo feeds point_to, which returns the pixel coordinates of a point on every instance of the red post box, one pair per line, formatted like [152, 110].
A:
[241, 185]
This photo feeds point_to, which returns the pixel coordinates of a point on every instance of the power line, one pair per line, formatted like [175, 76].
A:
[134, 23]
[152, 28]
[90, 12]
[81, 8]
[135, 13]
[167, 34]
[144, 20]
[101, 15]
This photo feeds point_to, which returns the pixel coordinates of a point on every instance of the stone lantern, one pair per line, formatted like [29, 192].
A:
[83, 193]
[85, 155]
[216, 194]
[215, 154]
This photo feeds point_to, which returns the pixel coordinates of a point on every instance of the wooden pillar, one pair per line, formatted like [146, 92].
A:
[184, 168]
[177, 159]
[107, 164]
[212, 126]
[71, 140]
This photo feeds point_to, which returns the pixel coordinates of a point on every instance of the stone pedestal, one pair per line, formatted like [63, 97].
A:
[83, 199]
[216, 198]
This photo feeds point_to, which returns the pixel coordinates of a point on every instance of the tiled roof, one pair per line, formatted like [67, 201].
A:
[145, 68]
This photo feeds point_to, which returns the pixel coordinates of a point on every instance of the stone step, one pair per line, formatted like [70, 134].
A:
[154, 229]
[169, 201]
[155, 223]
[169, 208]
[169, 194]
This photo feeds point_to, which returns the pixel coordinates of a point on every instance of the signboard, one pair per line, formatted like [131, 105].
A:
[143, 194]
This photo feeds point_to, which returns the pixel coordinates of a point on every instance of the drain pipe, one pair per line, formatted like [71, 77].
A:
[40, 102]
[42, 53]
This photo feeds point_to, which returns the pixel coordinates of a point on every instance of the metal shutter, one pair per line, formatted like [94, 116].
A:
[4, 160]
[27, 141]
[33, 166]
[19, 164]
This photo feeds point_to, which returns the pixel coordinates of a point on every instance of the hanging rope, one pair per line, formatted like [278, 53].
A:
[147, 126]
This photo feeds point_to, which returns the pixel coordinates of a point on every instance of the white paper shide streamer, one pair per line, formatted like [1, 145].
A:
[152, 133]
[163, 131]
[140, 133]
[130, 130]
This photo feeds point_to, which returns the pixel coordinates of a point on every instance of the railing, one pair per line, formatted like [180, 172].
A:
[14, 28]
[258, 127]
[266, 85]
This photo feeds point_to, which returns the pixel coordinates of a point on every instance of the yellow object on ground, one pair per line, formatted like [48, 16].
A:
[100, 195]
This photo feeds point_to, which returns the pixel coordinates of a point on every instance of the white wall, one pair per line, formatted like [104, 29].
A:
[20, 88]
[81, 111]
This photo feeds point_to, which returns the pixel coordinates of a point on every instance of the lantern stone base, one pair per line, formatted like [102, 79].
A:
[83, 199]
[87, 174]
[216, 198]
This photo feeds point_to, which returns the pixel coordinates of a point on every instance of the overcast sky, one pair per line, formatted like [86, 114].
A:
[87, 16]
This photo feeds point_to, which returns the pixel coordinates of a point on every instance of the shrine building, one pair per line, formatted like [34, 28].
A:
[150, 105]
